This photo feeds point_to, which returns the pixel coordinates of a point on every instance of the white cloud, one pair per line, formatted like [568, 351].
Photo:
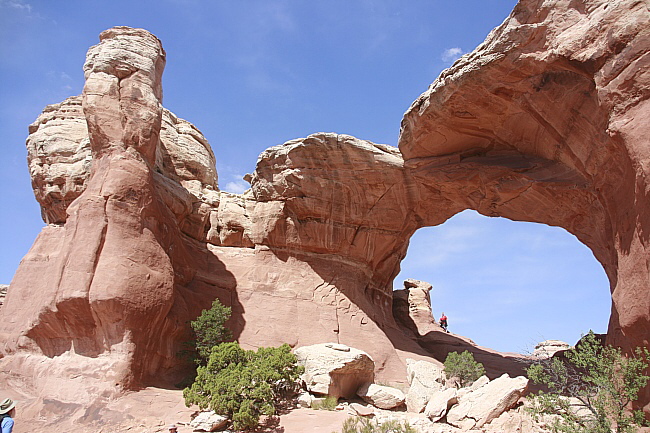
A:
[236, 187]
[17, 4]
[451, 54]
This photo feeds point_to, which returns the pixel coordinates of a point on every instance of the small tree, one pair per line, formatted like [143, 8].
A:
[209, 329]
[464, 367]
[590, 390]
[244, 384]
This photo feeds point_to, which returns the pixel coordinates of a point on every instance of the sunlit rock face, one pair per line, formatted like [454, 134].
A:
[546, 121]
[140, 239]
[412, 307]
[59, 157]
[543, 122]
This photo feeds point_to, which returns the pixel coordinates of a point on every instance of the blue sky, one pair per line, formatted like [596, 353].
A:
[251, 74]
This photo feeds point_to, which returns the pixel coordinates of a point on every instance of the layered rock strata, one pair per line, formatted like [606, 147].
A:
[546, 122]
[542, 122]
[140, 239]
[3, 293]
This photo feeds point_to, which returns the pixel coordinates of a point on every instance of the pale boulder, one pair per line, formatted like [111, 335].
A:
[546, 349]
[361, 410]
[305, 399]
[481, 381]
[425, 378]
[208, 421]
[440, 403]
[518, 420]
[488, 402]
[335, 369]
[383, 397]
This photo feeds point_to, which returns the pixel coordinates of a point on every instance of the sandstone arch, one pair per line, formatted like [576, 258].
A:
[547, 126]
[540, 132]
[543, 122]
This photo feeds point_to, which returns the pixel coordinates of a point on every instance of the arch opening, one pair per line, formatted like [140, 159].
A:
[508, 285]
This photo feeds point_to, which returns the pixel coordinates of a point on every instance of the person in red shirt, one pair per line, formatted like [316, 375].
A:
[443, 322]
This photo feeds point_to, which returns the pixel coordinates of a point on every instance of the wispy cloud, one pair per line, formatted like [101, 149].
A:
[62, 84]
[234, 181]
[16, 4]
[237, 187]
[451, 54]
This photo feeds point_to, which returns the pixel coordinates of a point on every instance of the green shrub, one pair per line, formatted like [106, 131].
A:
[329, 403]
[244, 384]
[464, 367]
[209, 329]
[591, 387]
[365, 425]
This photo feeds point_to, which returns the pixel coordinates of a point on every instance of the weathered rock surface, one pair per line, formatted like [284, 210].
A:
[361, 410]
[517, 420]
[304, 399]
[487, 402]
[87, 288]
[208, 421]
[483, 380]
[3, 293]
[548, 348]
[439, 403]
[141, 235]
[412, 307]
[335, 370]
[425, 379]
[59, 157]
[543, 122]
[381, 396]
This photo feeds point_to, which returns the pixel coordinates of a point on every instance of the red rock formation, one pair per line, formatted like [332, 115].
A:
[102, 286]
[546, 121]
[141, 240]
[543, 122]
[412, 307]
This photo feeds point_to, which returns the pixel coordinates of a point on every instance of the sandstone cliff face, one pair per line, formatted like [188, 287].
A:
[546, 121]
[59, 157]
[88, 288]
[140, 239]
[542, 122]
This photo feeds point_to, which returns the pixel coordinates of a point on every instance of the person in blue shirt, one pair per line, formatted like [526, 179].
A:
[7, 412]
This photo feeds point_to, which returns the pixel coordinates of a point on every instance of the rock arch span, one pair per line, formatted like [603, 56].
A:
[543, 122]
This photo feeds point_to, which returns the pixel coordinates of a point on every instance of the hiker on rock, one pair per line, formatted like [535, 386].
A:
[443, 322]
[7, 412]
